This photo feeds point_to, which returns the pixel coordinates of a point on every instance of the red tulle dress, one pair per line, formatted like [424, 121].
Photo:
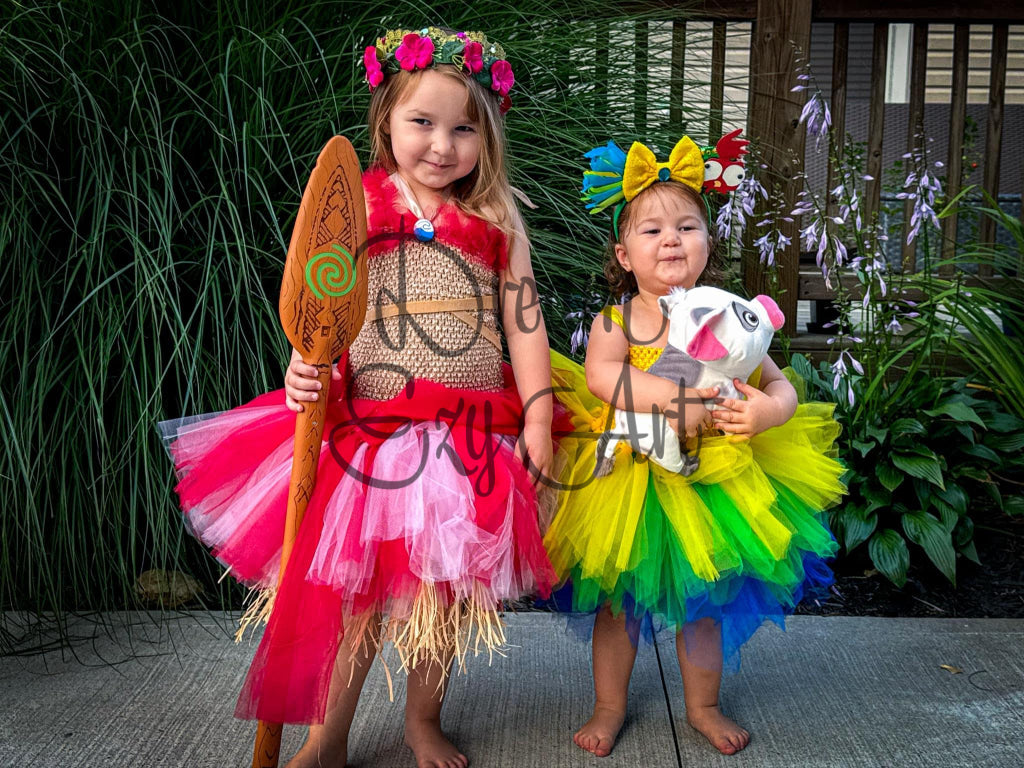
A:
[421, 511]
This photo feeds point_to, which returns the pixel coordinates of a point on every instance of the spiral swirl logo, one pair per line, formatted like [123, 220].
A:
[332, 273]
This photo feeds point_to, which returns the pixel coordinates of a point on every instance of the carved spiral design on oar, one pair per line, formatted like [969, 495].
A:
[332, 273]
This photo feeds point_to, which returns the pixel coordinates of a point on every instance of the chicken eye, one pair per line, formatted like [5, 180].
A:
[712, 170]
[732, 175]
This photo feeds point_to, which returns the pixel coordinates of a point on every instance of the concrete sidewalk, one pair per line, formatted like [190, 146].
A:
[828, 692]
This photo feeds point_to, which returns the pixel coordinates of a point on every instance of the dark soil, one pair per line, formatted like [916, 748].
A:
[990, 590]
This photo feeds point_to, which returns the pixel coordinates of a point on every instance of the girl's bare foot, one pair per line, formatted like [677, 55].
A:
[724, 735]
[599, 733]
[319, 754]
[431, 748]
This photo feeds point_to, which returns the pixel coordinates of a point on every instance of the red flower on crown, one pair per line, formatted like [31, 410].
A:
[415, 52]
[502, 78]
[472, 56]
[374, 75]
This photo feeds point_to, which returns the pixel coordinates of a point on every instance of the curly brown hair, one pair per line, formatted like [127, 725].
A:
[619, 280]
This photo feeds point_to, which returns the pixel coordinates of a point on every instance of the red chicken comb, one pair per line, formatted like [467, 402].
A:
[729, 147]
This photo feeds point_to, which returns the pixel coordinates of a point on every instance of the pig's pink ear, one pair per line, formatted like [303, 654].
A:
[704, 346]
[774, 313]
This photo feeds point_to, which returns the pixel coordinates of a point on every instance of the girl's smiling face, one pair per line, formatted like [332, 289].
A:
[665, 243]
[433, 140]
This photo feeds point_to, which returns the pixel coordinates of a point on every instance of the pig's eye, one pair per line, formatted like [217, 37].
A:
[747, 318]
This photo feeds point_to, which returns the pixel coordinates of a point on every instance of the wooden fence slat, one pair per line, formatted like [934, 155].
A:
[822, 309]
[968, 11]
[955, 159]
[675, 99]
[840, 57]
[717, 81]
[978, 11]
[876, 118]
[812, 285]
[640, 84]
[994, 134]
[781, 27]
[602, 42]
[915, 131]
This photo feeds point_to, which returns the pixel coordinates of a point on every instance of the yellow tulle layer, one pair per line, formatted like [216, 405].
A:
[752, 510]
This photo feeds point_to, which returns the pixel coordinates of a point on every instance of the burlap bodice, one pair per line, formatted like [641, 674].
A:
[438, 346]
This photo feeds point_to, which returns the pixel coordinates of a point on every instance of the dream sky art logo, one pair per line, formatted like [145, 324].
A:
[481, 439]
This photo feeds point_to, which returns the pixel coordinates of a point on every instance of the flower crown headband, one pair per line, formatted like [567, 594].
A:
[409, 50]
[616, 177]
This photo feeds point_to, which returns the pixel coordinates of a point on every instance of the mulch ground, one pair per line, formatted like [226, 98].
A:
[994, 589]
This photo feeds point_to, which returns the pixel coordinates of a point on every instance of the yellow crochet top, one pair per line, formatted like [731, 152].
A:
[640, 355]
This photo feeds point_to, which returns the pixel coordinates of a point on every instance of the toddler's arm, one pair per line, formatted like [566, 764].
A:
[611, 378]
[771, 405]
[301, 383]
[527, 340]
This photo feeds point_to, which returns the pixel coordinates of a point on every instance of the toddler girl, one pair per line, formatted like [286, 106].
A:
[710, 554]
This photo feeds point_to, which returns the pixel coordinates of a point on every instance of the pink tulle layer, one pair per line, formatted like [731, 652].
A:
[417, 490]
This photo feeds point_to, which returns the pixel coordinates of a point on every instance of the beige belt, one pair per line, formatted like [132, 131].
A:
[461, 308]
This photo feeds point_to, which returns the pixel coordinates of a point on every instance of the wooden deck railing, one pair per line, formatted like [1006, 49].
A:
[779, 28]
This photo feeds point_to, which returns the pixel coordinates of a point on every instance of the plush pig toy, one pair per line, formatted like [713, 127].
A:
[714, 337]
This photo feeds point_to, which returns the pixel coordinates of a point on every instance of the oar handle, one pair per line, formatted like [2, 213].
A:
[267, 748]
[309, 430]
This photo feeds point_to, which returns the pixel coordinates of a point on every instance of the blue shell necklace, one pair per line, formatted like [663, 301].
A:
[423, 229]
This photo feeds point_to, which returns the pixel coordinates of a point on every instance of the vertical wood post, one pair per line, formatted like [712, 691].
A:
[640, 83]
[876, 119]
[915, 131]
[774, 126]
[602, 42]
[717, 82]
[676, 85]
[840, 57]
[994, 134]
[955, 159]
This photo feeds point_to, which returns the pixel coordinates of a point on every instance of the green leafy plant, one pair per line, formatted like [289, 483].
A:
[918, 451]
[924, 370]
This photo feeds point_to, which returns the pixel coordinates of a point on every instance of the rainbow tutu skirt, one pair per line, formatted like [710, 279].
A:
[742, 540]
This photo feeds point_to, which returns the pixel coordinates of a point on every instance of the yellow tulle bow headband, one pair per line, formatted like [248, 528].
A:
[685, 165]
[616, 177]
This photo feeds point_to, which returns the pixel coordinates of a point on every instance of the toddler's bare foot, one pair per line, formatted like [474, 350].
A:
[319, 754]
[598, 734]
[724, 735]
[431, 748]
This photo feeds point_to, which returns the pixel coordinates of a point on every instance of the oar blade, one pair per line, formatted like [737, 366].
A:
[323, 293]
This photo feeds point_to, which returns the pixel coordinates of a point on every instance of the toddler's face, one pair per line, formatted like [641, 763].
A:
[666, 243]
[434, 142]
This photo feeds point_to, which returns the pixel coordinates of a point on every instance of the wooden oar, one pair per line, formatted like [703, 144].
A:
[323, 303]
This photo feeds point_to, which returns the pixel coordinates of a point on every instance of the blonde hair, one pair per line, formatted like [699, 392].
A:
[619, 280]
[484, 191]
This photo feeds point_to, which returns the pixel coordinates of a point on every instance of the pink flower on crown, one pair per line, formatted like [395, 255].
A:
[502, 78]
[415, 52]
[473, 56]
[374, 76]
